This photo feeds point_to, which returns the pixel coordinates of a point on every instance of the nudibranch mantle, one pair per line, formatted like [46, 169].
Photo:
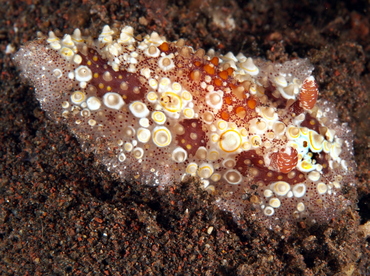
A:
[251, 130]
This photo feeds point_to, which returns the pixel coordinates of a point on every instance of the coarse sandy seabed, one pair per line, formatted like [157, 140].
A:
[63, 213]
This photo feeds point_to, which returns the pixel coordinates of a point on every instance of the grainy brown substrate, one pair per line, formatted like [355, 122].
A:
[61, 213]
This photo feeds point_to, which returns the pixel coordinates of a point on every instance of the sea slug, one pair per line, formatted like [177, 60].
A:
[253, 131]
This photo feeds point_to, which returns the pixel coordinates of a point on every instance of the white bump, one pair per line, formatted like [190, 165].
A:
[316, 141]
[145, 72]
[205, 170]
[128, 147]
[188, 113]
[171, 102]
[143, 135]
[166, 63]
[139, 109]
[201, 153]
[179, 155]
[322, 188]
[162, 136]
[67, 53]
[301, 207]
[93, 103]
[233, 177]
[77, 59]
[269, 113]
[255, 141]
[85, 112]
[250, 67]
[83, 73]
[52, 37]
[106, 35]
[186, 96]
[91, 122]
[57, 73]
[76, 36]
[267, 193]
[138, 153]
[144, 122]
[78, 97]
[213, 155]
[126, 36]
[268, 211]
[192, 169]
[305, 166]
[281, 188]
[314, 175]
[129, 131]
[229, 163]
[152, 51]
[214, 99]
[113, 100]
[159, 117]
[299, 190]
[152, 97]
[65, 104]
[67, 41]
[230, 141]
[221, 125]
[153, 83]
[281, 81]
[253, 89]
[258, 126]
[107, 76]
[274, 202]
[176, 87]
[216, 177]
[293, 132]
[335, 150]
[121, 157]
[164, 84]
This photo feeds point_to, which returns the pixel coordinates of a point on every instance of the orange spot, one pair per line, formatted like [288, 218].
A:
[240, 112]
[217, 82]
[230, 71]
[195, 75]
[227, 100]
[197, 63]
[214, 61]
[223, 75]
[164, 47]
[209, 69]
[225, 116]
[252, 103]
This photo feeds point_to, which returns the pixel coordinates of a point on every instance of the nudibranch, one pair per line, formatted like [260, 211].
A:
[253, 131]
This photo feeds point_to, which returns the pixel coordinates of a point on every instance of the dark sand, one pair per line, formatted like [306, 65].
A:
[61, 213]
